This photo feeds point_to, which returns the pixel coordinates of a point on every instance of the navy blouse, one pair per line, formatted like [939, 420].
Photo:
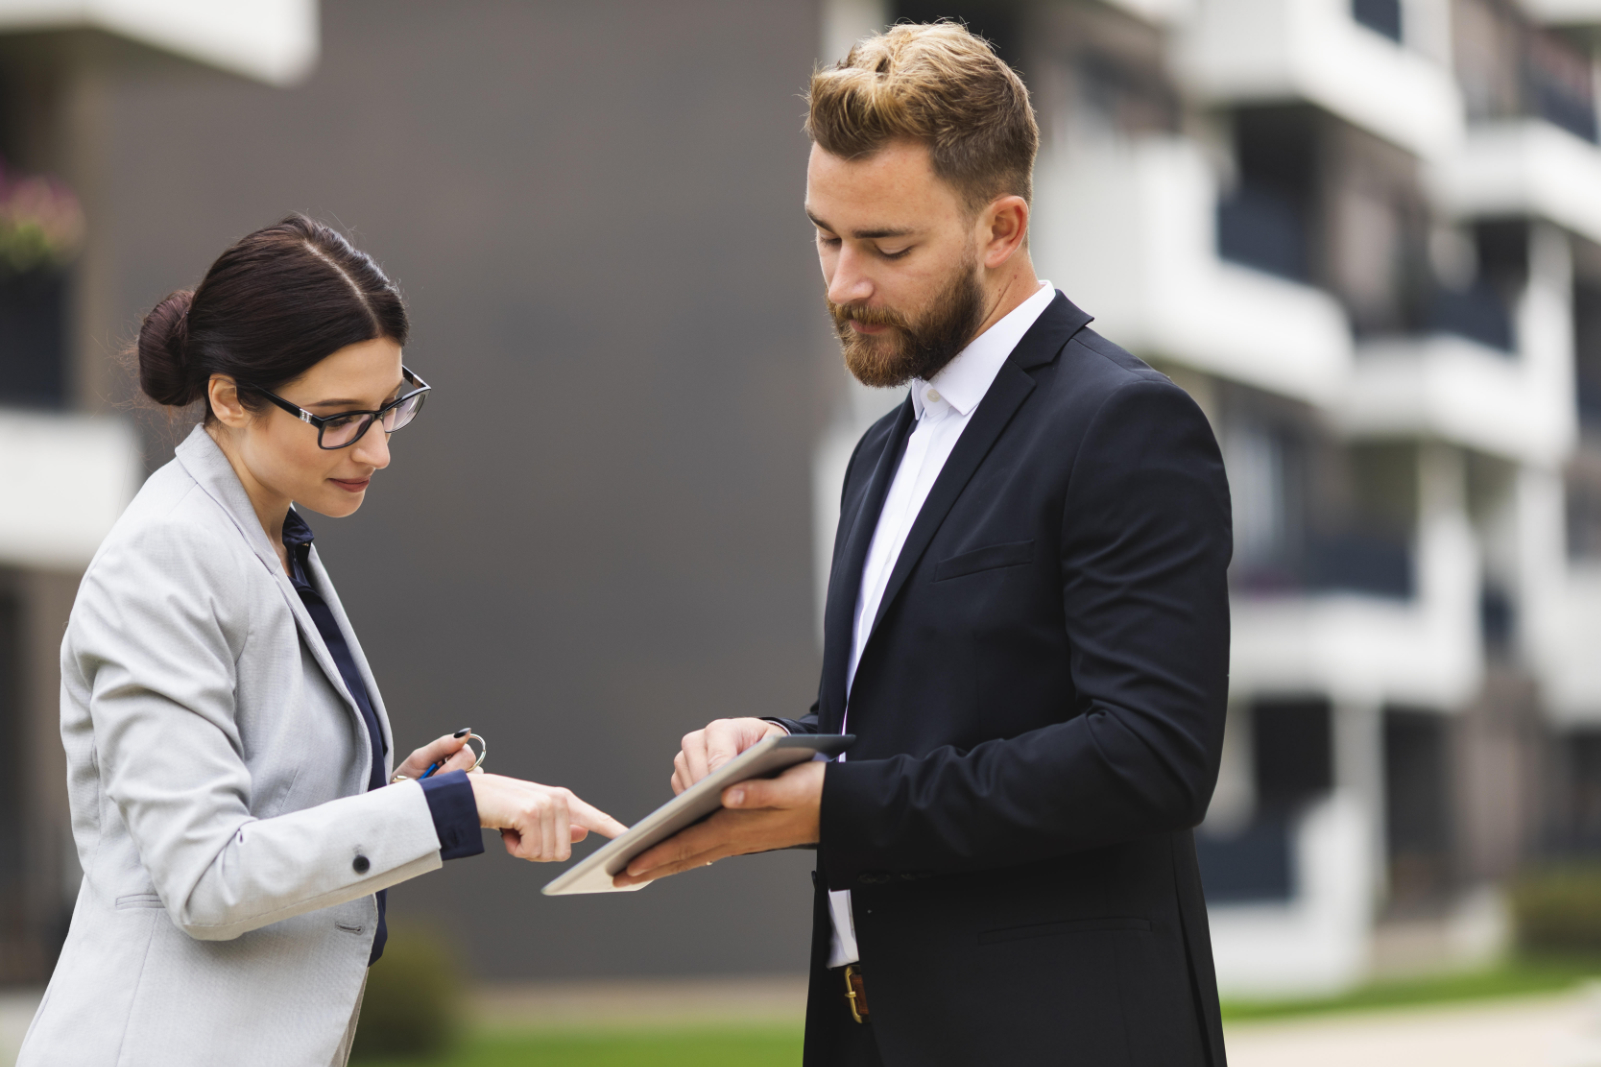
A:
[450, 796]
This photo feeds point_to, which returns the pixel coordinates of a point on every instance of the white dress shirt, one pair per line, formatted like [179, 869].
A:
[943, 407]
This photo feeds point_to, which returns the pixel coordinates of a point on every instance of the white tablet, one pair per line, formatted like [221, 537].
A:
[595, 872]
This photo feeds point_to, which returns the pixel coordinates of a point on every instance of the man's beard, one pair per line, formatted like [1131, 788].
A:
[909, 350]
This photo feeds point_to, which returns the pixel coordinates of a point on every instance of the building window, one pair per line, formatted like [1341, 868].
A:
[1417, 805]
[1587, 351]
[1310, 515]
[1381, 16]
[1560, 85]
[32, 341]
[1292, 755]
[1579, 825]
[997, 21]
[1510, 68]
[41, 229]
[1265, 220]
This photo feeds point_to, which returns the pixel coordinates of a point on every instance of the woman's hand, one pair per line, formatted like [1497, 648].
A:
[453, 745]
[537, 822]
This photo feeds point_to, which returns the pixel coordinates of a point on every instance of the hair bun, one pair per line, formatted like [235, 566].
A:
[163, 363]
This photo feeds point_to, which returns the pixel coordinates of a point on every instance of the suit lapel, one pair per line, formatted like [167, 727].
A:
[1006, 394]
[1040, 345]
[855, 535]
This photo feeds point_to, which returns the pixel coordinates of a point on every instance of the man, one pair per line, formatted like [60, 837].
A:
[1026, 628]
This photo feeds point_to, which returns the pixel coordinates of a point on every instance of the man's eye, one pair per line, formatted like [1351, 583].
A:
[895, 255]
[827, 242]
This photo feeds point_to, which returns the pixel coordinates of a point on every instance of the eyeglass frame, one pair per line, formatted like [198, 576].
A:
[322, 421]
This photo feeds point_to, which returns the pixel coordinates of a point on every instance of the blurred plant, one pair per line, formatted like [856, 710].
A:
[1558, 909]
[41, 223]
[412, 1007]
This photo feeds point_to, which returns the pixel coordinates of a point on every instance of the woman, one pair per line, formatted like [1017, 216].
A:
[227, 749]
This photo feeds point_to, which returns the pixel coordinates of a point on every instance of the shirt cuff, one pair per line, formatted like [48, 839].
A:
[455, 812]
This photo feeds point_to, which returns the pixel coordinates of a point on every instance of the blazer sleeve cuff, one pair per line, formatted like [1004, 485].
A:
[455, 812]
[793, 726]
[844, 849]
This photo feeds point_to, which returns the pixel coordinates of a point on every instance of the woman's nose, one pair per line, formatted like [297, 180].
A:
[373, 448]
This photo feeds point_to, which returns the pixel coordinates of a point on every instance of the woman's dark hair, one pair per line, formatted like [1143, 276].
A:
[273, 306]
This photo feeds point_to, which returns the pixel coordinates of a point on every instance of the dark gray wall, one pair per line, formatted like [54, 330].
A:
[597, 536]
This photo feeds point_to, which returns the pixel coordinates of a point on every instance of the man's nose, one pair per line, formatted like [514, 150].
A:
[849, 285]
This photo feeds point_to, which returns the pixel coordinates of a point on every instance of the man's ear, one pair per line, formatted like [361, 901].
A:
[224, 396]
[1004, 230]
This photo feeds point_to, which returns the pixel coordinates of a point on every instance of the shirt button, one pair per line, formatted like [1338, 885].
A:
[933, 395]
[361, 864]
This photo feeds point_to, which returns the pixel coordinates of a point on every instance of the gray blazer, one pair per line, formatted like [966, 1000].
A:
[217, 768]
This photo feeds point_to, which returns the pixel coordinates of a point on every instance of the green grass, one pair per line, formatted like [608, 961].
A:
[728, 1046]
[1517, 977]
[780, 1046]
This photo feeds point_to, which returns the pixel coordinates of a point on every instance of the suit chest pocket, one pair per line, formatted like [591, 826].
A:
[988, 558]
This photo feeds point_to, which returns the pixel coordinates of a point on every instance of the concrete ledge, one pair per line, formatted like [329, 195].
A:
[64, 480]
[270, 40]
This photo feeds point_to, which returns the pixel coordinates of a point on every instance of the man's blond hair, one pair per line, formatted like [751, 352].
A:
[939, 85]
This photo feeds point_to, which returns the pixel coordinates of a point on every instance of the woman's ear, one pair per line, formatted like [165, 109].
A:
[224, 397]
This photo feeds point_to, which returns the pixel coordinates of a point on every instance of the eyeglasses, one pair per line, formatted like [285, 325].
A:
[347, 427]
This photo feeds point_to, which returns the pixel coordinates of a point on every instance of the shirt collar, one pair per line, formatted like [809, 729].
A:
[963, 381]
[296, 532]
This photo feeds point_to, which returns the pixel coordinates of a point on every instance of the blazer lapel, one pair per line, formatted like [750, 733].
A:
[1006, 394]
[845, 577]
[331, 597]
[1040, 345]
[211, 470]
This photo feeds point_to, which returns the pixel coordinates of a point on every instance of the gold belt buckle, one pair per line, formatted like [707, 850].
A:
[856, 1002]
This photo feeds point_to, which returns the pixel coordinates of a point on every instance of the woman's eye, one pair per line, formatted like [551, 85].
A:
[336, 421]
[828, 242]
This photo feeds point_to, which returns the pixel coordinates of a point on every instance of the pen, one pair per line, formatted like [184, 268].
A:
[459, 733]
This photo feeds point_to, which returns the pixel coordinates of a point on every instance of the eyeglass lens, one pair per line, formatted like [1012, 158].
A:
[339, 432]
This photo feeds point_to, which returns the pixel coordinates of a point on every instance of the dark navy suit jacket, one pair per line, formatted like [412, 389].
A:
[1039, 718]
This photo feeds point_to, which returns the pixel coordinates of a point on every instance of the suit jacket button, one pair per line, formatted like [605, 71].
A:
[361, 864]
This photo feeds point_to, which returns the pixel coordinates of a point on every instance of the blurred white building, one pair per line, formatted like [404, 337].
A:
[1365, 235]
[70, 460]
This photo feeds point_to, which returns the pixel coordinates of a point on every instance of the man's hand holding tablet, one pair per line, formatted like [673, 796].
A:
[727, 805]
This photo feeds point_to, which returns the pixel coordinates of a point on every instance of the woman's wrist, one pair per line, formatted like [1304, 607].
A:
[454, 806]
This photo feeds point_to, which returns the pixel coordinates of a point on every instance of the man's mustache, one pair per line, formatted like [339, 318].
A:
[867, 316]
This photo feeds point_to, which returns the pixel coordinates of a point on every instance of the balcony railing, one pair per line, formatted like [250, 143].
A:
[1333, 563]
[1477, 313]
[1360, 563]
[1262, 228]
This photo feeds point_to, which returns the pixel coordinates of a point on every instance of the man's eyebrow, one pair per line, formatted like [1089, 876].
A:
[862, 235]
[874, 235]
